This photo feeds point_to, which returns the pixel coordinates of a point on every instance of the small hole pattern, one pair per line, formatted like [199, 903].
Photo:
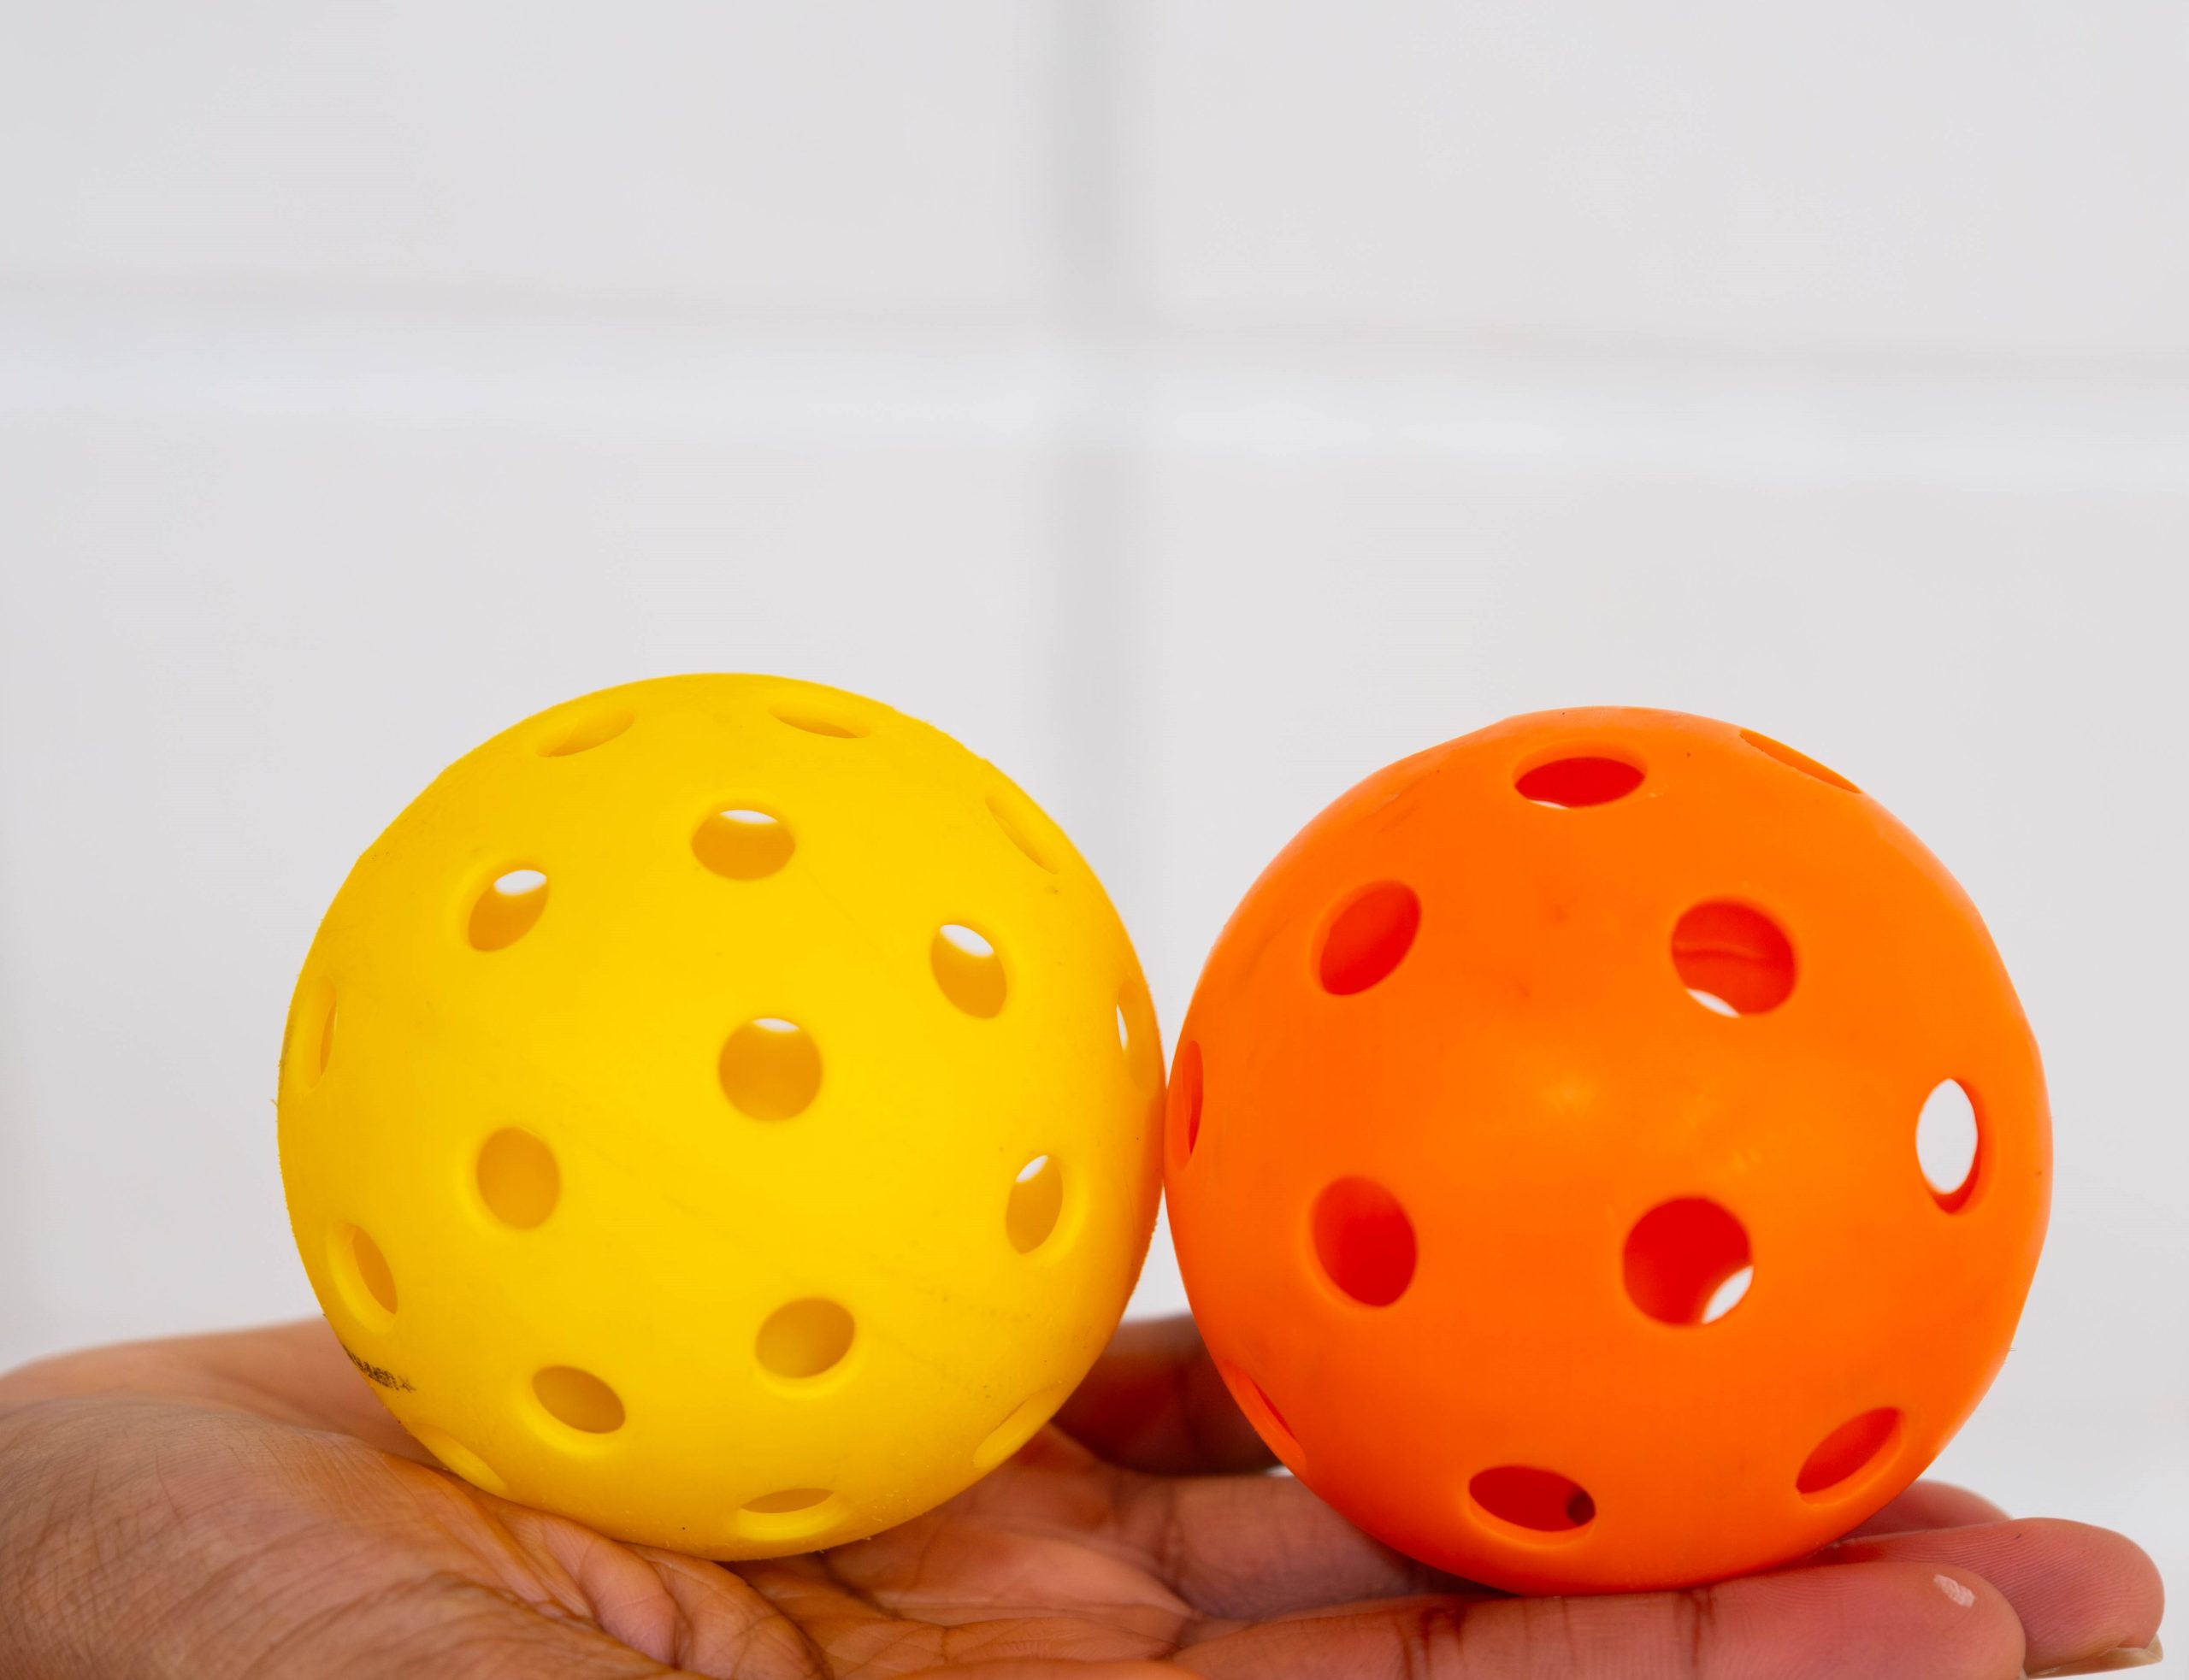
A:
[771, 1068]
[1688, 1267]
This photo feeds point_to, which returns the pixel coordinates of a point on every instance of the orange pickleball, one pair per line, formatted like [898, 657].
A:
[1562, 1153]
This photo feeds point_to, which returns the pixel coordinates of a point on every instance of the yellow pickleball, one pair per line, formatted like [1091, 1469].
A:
[723, 1109]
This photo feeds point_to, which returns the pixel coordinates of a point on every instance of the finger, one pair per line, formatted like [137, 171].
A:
[2081, 1592]
[1253, 1546]
[1155, 1402]
[1883, 1621]
[1042, 1668]
[295, 1373]
[1931, 1505]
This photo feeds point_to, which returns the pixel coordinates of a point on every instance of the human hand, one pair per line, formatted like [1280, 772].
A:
[240, 1505]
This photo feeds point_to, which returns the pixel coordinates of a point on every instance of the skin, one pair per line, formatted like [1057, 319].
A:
[240, 1505]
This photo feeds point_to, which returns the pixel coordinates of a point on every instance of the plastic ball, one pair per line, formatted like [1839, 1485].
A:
[1518, 1066]
[723, 1109]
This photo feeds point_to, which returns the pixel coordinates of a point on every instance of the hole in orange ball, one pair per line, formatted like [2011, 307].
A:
[1365, 1240]
[1530, 1498]
[1731, 954]
[1572, 784]
[1949, 1144]
[1185, 1100]
[1368, 937]
[1798, 761]
[1680, 1255]
[1262, 1412]
[1846, 1452]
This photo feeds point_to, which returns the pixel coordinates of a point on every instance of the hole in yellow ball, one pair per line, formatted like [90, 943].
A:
[362, 1277]
[454, 1454]
[594, 726]
[804, 1338]
[771, 1068]
[505, 912]
[967, 968]
[794, 1513]
[518, 1179]
[818, 716]
[311, 1034]
[1036, 1200]
[579, 1399]
[1024, 1424]
[1014, 815]
[743, 845]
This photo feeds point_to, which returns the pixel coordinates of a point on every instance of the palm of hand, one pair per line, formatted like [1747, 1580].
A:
[241, 1505]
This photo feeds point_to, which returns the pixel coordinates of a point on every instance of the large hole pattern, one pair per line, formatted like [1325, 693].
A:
[967, 968]
[804, 1338]
[791, 1513]
[1842, 1456]
[311, 1034]
[1036, 1200]
[596, 727]
[1368, 937]
[818, 716]
[362, 1277]
[1186, 1099]
[579, 1399]
[1733, 958]
[1573, 783]
[743, 844]
[1799, 761]
[505, 912]
[1948, 1143]
[1529, 1498]
[1025, 1421]
[1015, 816]
[518, 1179]
[1684, 1258]
[771, 1068]
[1365, 1240]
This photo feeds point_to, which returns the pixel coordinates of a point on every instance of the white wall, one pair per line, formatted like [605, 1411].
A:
[1190, 406]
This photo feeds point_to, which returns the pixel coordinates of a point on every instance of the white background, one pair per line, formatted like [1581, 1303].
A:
[1189, 406]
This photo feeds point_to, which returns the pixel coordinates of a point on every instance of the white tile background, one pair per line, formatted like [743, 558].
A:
[1190, 406]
